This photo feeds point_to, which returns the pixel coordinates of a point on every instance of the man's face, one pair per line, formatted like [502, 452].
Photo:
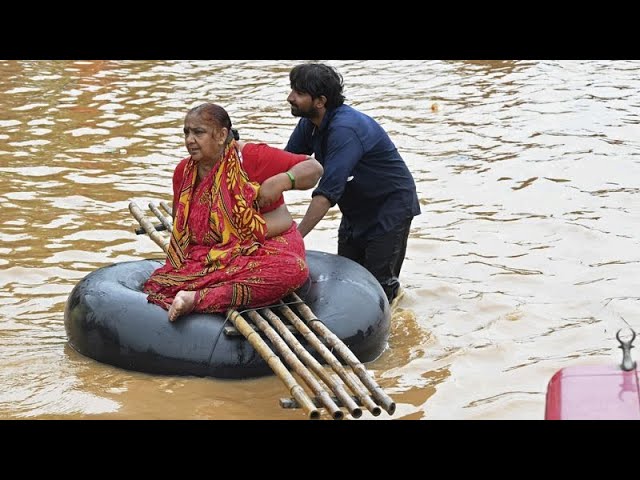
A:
[302, 104]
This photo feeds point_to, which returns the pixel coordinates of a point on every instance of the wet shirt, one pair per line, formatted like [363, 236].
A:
[363, 171]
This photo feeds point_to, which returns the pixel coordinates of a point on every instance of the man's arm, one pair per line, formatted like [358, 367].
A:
[318, 208]
[344, 150]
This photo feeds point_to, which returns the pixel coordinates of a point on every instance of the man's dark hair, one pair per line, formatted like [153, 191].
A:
[318, 79]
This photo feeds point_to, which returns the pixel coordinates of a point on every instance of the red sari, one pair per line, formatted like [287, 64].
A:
[218, 246]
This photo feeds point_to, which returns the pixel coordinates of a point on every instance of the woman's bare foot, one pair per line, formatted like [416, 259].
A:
[182, 304]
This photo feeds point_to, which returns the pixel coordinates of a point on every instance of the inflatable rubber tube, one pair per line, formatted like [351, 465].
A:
[108, 318]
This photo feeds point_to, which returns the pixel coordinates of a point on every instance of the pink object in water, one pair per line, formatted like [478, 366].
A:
[595, 392]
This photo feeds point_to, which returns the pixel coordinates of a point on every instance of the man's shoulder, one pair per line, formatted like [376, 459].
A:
[347, 116]
[348, 121]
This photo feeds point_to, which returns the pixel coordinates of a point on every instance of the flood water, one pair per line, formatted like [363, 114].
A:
[525, 259]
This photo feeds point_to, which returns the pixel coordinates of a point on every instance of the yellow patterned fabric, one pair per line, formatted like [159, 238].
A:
[234, 217]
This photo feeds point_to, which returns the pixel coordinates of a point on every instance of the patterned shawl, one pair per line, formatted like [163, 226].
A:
[239, 226]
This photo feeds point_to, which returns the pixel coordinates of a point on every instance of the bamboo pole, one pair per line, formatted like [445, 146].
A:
[166, 221]
[165, 206]
[297, 366]
[291, 403]
[158, 228]
[332, 361]
[296, 391]
[335, 343]
[308, 359]
[148, 227]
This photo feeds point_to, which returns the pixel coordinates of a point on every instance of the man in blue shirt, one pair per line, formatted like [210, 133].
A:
[363, 173]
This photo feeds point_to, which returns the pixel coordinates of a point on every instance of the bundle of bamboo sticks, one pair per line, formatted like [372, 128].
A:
[279, 324]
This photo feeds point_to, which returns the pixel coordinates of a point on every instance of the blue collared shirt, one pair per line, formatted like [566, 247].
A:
[363, 171]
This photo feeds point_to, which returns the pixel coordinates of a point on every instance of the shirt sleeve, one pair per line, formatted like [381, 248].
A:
[344, 150]
[262, 161]
[298, 141]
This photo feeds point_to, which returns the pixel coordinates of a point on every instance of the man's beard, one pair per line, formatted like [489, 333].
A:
[298, 112]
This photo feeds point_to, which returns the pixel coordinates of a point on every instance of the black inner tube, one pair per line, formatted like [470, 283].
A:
[108, 318]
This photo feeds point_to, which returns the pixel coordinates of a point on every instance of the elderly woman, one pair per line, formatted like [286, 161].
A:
[234, 243]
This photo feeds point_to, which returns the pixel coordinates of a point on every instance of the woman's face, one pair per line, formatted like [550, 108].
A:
[203, 139]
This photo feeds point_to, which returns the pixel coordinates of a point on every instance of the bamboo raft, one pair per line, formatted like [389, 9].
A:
[347, 385]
